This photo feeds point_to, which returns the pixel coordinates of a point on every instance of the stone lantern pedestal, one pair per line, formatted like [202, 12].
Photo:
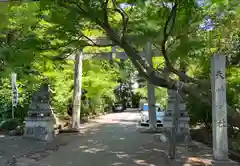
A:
[39, 124]
[182, 128]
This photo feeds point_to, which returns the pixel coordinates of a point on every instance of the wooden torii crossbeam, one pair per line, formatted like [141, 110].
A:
[109, 55]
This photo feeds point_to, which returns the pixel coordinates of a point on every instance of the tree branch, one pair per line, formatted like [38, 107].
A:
[125, 18]
[166, 34]
[105, 11]
[80, 9]
[86, 42]
[97, 45]
[64, 55]
[140, 63]
[171, 17]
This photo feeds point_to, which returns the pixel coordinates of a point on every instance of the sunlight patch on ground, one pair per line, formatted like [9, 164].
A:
[123, 156]
[158, 150]
[143, 162]
[119, 138]
[83, 147]
[94, 150]
[198, 160]
[117, 163]
[117, 152]
[2, 136]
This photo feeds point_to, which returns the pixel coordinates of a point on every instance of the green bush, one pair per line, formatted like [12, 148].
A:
[8, 125]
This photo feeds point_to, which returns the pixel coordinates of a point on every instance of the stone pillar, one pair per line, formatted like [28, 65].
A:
[183, 123]
[151, 92]
[219, 110]
[174, 126]
[77, 95]
[184, 119]
[182, 131]
[39, 124]
[114, 52]
[167, 121]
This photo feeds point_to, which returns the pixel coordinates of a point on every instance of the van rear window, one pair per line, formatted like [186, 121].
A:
[145, 108]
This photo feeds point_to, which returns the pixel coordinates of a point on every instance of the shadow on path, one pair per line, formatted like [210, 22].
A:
[112, 145]
[116, 142]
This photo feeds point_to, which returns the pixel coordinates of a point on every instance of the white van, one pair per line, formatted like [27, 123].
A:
[145, 117]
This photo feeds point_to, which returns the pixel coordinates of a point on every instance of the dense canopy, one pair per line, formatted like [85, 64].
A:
[37, 37]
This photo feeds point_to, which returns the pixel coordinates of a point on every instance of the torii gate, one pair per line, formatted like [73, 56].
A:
[148, 53]
[176, 118]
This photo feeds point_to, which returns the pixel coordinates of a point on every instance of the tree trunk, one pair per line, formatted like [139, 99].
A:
[77, 91]
[151, 93]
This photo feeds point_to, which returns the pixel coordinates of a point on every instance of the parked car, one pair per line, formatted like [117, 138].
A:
[118, 108]
[145, 117]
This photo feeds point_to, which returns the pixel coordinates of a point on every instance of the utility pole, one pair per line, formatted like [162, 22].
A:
[77, 91]
[151, 92]
[175, 122]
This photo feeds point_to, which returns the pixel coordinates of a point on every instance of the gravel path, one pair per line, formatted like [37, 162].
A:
[111, 140]
[15, 147]
[115, 143]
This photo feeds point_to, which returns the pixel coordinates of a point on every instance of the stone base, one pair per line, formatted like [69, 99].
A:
[182, 138]
[224, 163]
[163, 138]
[40, 129]
[150, 130]
[183, 122]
